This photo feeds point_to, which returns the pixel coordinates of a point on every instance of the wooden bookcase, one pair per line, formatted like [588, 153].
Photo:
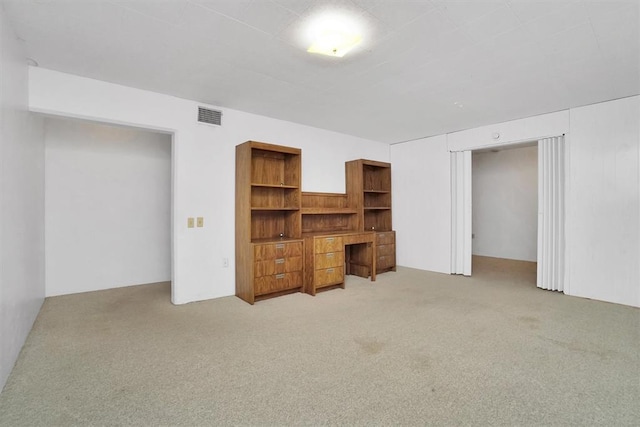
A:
[268, 220]
[369, 190]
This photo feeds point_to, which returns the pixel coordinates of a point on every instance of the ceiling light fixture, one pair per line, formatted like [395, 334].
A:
[333, 35]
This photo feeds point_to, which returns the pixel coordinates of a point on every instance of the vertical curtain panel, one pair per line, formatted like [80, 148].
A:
[551, 214]
[461, 213]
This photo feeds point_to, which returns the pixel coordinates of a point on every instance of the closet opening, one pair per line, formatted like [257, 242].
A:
[504, 224]
[108, 207]
[551, 206]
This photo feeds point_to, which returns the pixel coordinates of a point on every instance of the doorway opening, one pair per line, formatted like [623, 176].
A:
[108, 206]
[550, 272]
[505, 212]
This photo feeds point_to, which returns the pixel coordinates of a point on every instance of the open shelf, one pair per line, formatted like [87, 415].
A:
[270, 197]
[255, 184]
[328, 211]
[257, 209]
[377, 219]
[376, 177]
[273, 168]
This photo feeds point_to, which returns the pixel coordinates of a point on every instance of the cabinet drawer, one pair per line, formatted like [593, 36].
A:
[277, 265]
[329, 259]
[328, 276]
[385, 261]
[277, 282]
[386, 250]
[385, 238]
[277, 250]
[328, 244]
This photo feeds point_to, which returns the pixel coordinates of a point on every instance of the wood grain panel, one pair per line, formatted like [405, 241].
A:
[277, 265]
[384, 250]
[328, 244]
[277, 282]
[385, 238]
[386, 262]
[272, 251]
[244, 256]
[267, 167]
[324, 200]
[328, 223]
[329, 259]
[376, 177]
[329, 276]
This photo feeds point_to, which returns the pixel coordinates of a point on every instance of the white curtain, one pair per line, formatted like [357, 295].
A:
[461, 213]
[551, 243]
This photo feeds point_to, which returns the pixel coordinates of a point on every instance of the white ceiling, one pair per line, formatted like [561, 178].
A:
[420, 60]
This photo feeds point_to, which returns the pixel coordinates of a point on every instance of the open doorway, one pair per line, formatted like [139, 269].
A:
[107, 206]
[505, 215]
[550, 274]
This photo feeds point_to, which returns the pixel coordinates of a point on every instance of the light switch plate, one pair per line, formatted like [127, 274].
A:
[190, 222]
[200, 221]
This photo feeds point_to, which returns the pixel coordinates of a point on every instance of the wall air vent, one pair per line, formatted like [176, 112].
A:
[209, 116]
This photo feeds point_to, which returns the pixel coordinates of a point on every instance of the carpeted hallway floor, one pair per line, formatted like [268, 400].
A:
[413, 348]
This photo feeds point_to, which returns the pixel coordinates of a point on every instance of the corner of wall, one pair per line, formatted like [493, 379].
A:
[22, 197]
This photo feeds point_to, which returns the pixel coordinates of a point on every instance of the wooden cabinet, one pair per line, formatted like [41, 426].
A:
[277, 267]
[385, 251]
[275, 258]
[268, 220]
[324, 262]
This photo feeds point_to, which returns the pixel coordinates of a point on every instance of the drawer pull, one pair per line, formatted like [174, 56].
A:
[279, 245]
[280, 276]
[330, 270]
[330, 239]
[330, 255]
[280, 261]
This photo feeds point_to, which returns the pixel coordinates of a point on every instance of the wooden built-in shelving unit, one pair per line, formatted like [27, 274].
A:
[268, 220]
[327, 212]
[288, 240]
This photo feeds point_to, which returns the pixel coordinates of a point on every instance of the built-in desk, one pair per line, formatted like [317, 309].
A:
[329, 256]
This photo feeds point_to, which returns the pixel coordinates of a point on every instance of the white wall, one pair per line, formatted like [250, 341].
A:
[108, 206]
[422, 203]
[203, 165]
[603, 164]
[605, 201]
[505, 203]
[21, 203]
[522, 130]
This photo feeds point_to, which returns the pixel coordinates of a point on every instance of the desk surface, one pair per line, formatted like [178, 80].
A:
[370, 234]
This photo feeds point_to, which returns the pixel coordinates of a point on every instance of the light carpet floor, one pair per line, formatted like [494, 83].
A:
[412, 348]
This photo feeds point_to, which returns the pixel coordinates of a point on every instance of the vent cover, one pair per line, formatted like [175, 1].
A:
[210, 117]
